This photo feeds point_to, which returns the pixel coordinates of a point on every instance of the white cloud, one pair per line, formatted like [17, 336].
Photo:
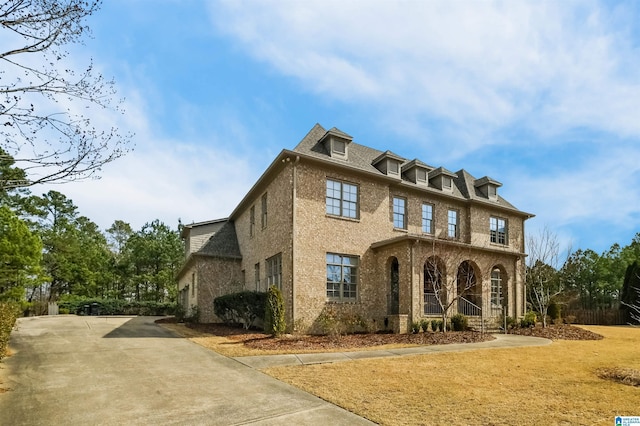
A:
[473, 64]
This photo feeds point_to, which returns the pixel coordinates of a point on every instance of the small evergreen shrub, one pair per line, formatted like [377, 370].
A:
[459, 322]
[243, 307]
[424, 324]
[434, 325]
[441, 325]
[529, 320]
[274, 319]
[415, 327]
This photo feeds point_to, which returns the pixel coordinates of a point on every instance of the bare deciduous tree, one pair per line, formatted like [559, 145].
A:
[44, 101]
[543, 263]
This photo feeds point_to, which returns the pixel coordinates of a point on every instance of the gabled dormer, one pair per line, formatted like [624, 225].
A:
[388, 163]
[336, 142]
[417, 172]
[488, 187]
[442, 179]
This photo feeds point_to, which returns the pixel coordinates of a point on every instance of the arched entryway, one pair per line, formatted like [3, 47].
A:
[434, 289]
[499, 290]
[469, 290]
[393, 302]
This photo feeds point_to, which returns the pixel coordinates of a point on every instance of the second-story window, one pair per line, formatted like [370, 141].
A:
[452, 224]
[264, 210]
[256, 270]
[498, 230]
[342, 199]
[252, 221]
[427, 218]
[399, 213]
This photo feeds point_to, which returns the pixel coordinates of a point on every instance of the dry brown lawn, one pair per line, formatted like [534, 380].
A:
[557, 384]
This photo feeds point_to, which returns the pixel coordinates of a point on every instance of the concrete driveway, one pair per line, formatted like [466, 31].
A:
[122, 370]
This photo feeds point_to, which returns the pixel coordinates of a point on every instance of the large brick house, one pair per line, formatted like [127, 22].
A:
[341, 226]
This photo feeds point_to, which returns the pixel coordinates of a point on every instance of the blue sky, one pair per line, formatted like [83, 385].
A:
[542, 96]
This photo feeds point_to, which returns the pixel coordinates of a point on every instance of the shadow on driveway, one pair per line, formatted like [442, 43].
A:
[138, 327]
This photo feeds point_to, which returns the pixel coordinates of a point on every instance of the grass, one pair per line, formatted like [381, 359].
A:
[557, 384]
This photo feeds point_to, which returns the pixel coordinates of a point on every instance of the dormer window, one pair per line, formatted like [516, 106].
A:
[417, 172]
[336, 143]
[488, 187]
[442, 179]
[388, 163]
[446, 182]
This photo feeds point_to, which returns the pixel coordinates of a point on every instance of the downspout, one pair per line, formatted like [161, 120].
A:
[294, 195]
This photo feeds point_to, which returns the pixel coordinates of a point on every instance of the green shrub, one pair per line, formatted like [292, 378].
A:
[529, 320]
[441, 325]
[274, 320]
[193, 315]
[415, 327]
[434, 324]
[91, 306]
[459, 322]
[554, 311]
[9, 312]
[243, 307]
[424, 324]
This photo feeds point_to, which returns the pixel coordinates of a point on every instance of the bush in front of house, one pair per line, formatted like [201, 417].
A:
[459, 322]
[9, 312]
[91, 306]
[529, 320]
[243, 307]
[274, 320]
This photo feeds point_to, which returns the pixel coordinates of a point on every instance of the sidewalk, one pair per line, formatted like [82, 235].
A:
[501, 341]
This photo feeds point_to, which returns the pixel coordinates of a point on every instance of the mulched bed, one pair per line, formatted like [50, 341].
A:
[258, 340]
[558, 332]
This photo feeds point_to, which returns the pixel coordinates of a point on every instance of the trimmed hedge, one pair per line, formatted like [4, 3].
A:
[274, 322]
[243, 307]
[116, 307]
[9, 312]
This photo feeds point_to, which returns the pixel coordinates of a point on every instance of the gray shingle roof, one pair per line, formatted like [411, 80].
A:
[363, 158]
[223, 243]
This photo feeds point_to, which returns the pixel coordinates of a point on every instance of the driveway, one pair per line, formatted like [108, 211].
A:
[123, 370]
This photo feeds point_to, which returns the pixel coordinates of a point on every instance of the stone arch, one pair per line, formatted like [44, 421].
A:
[469, 288]
[499, 291]
[434, 288]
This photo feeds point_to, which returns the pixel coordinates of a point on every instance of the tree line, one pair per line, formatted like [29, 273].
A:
[50, 252]
[582, 280]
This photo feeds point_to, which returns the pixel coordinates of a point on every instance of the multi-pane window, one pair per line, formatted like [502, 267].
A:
[446, 182]
[252, 221]
[496, 288]
[427, 218]
[498, 230]
[256, 269]
[399, 213]
[342, 277]
[452, 224]
[342, 199]
[264, 210]
[274, 271]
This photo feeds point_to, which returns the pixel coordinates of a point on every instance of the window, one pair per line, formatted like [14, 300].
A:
[492, 191]
[394, 167]
[427, 218]
[342, 277]
[264, 210]
[342, 199]
[498, 230]
[252, 221]
[496, 288]
[399, 213]
[421, 175]
[274, 271]
[339, 147]
[256, 269]
[452, 229]
[446, 182]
